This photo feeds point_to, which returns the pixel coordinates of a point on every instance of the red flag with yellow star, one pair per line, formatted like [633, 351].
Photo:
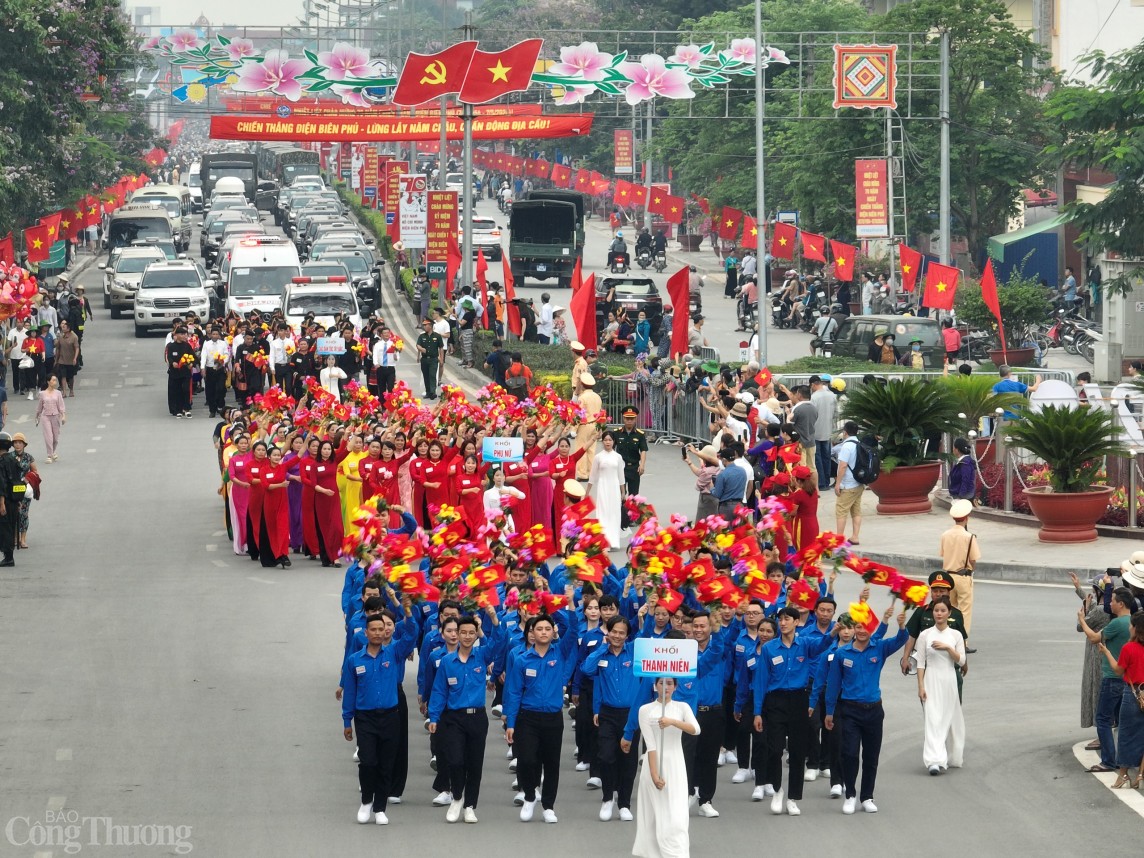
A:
[729, 222]
[750, 232]
[52, 223]
[425, 77]
[37, 244]
[782, 244]
[802, 595]
[844, 255]
[492, 75]
[941, 283]
[657, 201]
[561, 176]
[910, 263]
[673, 209]
[813, 247]
[7, 251]
[69, 223]
[622, 195]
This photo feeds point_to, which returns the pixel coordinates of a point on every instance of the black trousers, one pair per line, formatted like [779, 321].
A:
[463, 748]
[861, 733]
[377, 731]
[401, 764]
[834, 746]
[9, 524]
[786, 723]
[730, 725]
[751, 747]
[710, 740]
[214, 385]
[617, 769]
[429, 376]
[441, 778]
[537, 738]
[690, 745]
[178, 393]
[587, 734]
[816, 747]
[386, 378]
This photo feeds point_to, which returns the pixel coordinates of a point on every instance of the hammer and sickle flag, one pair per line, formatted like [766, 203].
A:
[425, 77]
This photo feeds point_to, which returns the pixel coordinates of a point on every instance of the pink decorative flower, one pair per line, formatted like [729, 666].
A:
[574, 94]
[585, 60]
[345, 61]
[351, 96]
[688, 55]
[774, 55]
[183, 40]
[239, 48]
[651, 77]
[743, 51]
[152, 43]
[277, 73]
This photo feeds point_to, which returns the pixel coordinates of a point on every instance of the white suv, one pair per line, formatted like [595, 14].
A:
[170, 290]
[125, 277]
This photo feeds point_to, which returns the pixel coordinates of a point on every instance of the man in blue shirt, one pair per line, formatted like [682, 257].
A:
[534, 703]
[616, 686]
[457, 703]
[782, 703]
[370, 703]
[710, 714]
[729, 484]
[1007, 384]
[854, 681]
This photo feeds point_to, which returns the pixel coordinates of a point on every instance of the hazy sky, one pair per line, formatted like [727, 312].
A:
[252, 12]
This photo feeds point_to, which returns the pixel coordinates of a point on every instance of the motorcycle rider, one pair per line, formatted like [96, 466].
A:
[659, 241]
[748, 302]
[825, 326]
[505, 195]
[643, 241]
[618, 246]
[695, 288]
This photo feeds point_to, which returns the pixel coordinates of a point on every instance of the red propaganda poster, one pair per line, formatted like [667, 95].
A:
[370, 178]
[393, 171]
[872, 212]
[625, 152]
[440, 229]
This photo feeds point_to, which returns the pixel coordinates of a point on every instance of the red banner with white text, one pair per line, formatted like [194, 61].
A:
[395, 128]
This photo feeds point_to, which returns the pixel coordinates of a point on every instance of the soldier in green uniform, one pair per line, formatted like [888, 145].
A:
[631, 444]
[12, 488]
[940, 584]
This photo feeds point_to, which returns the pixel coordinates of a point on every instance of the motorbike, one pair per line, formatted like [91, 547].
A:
[618, 263]
[1086, 342]
[975, 347]
[661, 261]
[748, 314]
[643, 257]
[808, 312]
[778, 313]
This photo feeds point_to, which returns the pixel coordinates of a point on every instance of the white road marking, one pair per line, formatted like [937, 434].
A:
[23, 418]
[57, 802]
[63, 755]
[96, 437]
[100, 425]
[42, 855]
[91, 450]
[221, 564]
[114, 394]
[107, 414]
[212, 547]
[1131, 797]
[260, 580]
[117, 387]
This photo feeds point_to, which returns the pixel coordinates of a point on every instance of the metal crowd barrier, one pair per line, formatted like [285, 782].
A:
[791, 379]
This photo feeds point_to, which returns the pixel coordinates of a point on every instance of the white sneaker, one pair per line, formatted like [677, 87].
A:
[470, 815]
[626, 815]
[849, 805]
[518, 799]
[380, 818]
[394, 799]
[364, 812]
[732, 759]
[836, 791]
[606, 809]
[515, 784]
[869, 806]
[30, 397]
[498, 711]
[549, 816]
[453, 814]
[583, 767]
[356, 760]
[594, 783]
[768, 790]
[810, 775]
[512, 765]
[722, 759]
[741, 776]
[707, 810]
[758, 793]
[526, 810]
[777, 803]
[792, 808]
[824, 773]
[442, 799]
[508, 753]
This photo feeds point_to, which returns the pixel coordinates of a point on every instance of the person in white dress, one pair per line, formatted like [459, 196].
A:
[606, 484]
[331, 376]
[940, 653]
[661, 800]
[494, 496]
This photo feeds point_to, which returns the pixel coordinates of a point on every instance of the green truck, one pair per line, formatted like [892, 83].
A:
[547, 236]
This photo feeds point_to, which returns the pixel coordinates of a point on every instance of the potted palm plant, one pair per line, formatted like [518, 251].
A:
[1073, 442]
[975, 400]
[908, 417]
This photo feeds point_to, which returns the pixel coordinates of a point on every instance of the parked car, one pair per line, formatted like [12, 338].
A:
[857, 332]
[631, 294]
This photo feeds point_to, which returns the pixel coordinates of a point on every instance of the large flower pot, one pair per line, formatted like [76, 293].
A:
[906, 489]
[1012, 357]
[986, 450]
[691, 242]
[1068, 517]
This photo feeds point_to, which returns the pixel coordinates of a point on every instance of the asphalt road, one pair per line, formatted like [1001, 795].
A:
[151, 678]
